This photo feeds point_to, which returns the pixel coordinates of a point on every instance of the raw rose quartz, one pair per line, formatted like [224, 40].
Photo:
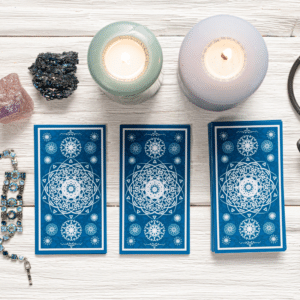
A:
[15, 103]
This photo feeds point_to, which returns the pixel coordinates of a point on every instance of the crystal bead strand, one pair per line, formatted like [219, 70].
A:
[12, 208]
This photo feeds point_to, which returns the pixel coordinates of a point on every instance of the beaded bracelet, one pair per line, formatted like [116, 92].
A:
[12, 210]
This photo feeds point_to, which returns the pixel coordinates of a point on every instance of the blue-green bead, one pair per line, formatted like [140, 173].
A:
[13, 187]
[14, 257]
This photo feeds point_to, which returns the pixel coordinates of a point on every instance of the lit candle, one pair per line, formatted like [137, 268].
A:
[125, 59]
[222, 61]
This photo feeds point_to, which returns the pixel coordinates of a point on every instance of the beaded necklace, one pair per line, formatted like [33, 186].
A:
[12, 210]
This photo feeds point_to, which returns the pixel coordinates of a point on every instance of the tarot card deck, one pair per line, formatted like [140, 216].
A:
[154, 189]
[247, 199]
[70, 189]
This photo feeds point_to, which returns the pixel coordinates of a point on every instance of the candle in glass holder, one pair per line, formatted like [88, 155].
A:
[222, 61]
[125, 59]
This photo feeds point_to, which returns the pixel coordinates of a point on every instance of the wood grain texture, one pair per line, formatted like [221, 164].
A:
[89, 106]
[164, 17]
[33, 26]
[200, 275]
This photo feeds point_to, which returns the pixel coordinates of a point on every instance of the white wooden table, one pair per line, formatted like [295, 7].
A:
[28, 27]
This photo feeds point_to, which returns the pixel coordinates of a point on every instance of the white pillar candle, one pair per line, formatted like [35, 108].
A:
[125, 59]
[222, 61]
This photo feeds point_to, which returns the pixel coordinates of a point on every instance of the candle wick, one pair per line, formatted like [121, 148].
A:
[224, 56]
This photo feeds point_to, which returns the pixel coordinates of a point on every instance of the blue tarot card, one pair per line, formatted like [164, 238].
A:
[154, 189]
[70, 189]
[247, 198]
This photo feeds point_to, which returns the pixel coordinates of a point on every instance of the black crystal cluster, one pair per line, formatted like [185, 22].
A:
[54, 74]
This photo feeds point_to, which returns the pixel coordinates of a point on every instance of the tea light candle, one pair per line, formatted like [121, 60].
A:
[222, 61]
[125, 59]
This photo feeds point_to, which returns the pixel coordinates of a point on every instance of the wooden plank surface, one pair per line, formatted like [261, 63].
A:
[28, 27]
[164, 17]
[200, 275]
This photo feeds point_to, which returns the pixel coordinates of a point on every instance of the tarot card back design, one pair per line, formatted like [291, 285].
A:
[247, 186]
[70, 189]
[154, 189]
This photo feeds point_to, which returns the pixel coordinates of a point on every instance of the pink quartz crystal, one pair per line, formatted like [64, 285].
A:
[15, 103]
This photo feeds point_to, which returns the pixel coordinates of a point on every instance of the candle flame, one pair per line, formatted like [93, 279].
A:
[227, 54]
[125, 57]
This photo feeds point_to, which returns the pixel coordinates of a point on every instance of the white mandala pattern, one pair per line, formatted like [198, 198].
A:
[90, 229]
[135, 229]
[51, 148]
[131, 137]
[94, 217]
[70, 147]
[154, 230]
[269, 228]
[174, 229]
[174, 148]
[135, 148]
[248, 187]
[47, 137]
[249, 229]
[131, 218]
[226, 217]
[95, 240]
[71, 230]
[130, 241]
[272, 216]
[93, 159]
[132, 160]
[224, 136]
[247, 145]
[230, 229]
[270, 158]
[154, 189]
[48, 218]
[177, 160]
[155, 148]
[51, 229]
[224, 159]
[177, 241]
[47, 160]
[227, 147]
[226, 240]
[70, 188]
[178, 137]
[47, 241]
[90, 148]
[177, 218]
[94, 136]
[273, 239]
[267, 146]
[271, 134]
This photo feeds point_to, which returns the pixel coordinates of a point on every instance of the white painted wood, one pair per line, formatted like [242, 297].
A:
[164, 17]
[89, 106]
[200, 275]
